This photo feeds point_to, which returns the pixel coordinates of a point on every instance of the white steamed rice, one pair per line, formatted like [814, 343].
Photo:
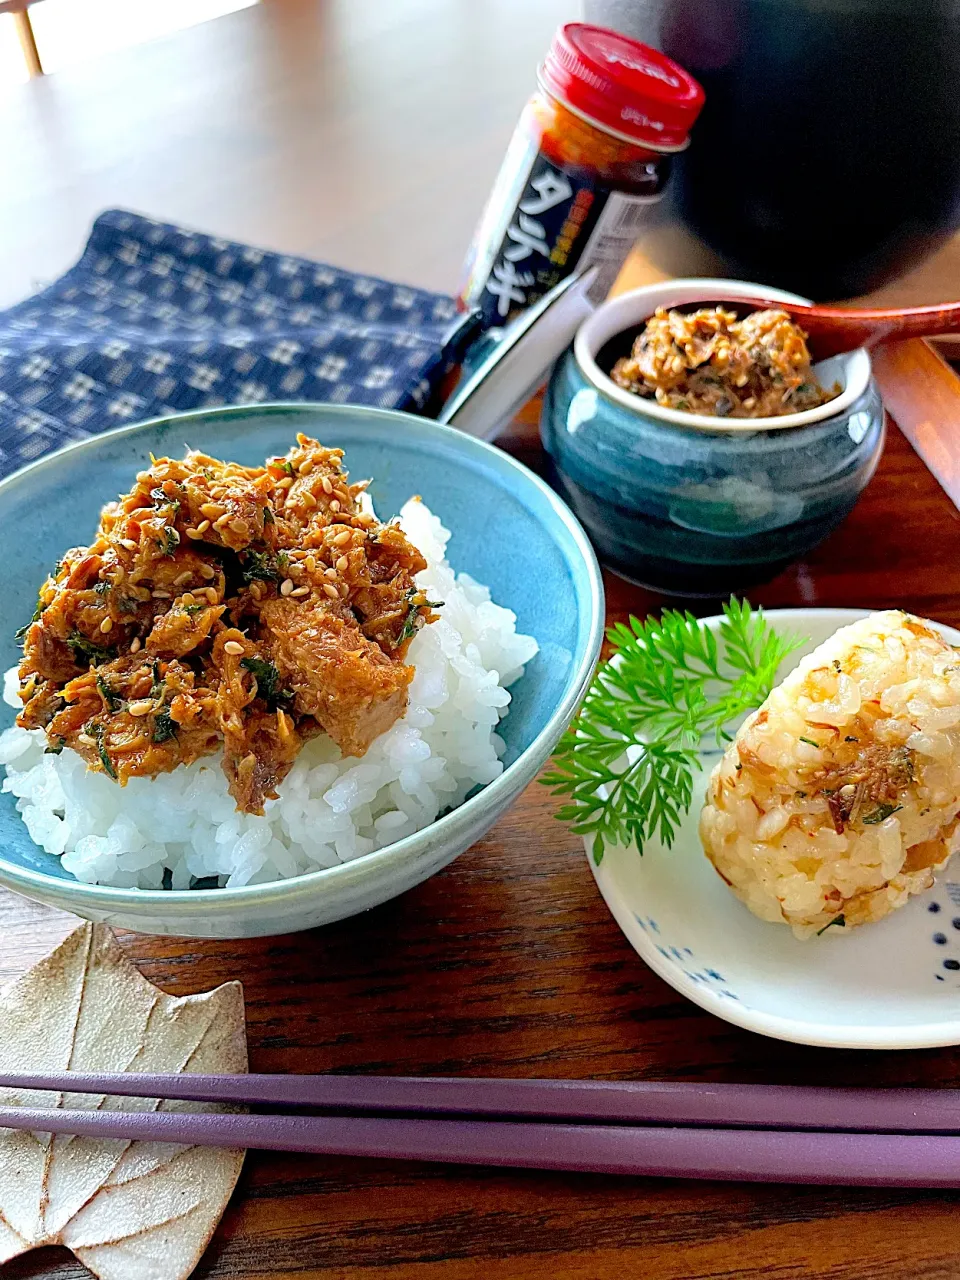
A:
[330, 809]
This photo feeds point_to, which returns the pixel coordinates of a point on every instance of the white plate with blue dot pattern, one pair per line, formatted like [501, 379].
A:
[890, 985]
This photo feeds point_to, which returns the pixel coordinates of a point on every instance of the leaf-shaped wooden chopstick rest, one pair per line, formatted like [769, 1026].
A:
[128, 1211]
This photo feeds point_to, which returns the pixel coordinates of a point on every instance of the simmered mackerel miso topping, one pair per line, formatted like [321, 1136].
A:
[866, 787]
[249, 606]
[710, 362]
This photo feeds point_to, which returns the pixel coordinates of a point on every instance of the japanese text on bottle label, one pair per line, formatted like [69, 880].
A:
[552, 225]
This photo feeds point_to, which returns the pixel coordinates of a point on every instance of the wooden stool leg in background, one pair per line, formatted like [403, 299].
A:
[28, 44]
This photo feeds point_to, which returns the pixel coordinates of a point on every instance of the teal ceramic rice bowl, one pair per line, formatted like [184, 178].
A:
[509, 531]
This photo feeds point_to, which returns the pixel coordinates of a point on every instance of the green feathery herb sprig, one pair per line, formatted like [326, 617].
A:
[628, 761]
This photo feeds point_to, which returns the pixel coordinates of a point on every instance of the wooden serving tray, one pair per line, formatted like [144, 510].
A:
[508, 963]
[922, 392]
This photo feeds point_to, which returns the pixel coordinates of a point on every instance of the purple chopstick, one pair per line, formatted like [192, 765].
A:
[626, 1101]
[850, 1159]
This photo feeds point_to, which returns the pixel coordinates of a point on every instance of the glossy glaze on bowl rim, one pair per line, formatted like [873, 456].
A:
[629, 310]
[200, 901]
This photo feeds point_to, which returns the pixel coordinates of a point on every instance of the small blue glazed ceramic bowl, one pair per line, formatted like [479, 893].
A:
[695, 505]
[509, 530]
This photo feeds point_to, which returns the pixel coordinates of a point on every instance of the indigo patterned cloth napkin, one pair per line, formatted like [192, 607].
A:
[154, 320]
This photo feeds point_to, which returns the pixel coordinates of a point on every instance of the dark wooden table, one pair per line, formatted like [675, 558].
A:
[507, 962]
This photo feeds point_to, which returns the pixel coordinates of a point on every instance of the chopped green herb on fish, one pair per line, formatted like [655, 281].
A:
[112, 701]
[268, 682]
[164, 727]
[169, 542]
[97, 732]
[258, 566]
[88, 651]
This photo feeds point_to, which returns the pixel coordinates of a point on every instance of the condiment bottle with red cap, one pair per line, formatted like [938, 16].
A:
[590, 155]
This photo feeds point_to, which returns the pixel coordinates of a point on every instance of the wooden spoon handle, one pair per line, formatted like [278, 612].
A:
[833, 330]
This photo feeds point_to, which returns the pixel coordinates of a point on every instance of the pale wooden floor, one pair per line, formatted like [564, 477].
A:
[70, 32]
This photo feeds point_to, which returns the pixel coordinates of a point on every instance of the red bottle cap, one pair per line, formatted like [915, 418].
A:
[622, 86]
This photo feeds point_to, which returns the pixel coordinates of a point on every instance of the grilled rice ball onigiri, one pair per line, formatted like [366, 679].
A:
[840, 796]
